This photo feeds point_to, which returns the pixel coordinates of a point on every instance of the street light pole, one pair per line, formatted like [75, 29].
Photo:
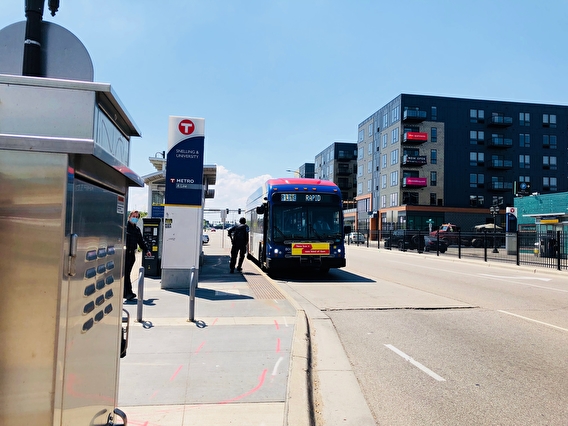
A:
[494, 210]
[295, 172]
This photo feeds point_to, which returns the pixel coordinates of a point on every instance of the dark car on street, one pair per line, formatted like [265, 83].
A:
[433, 244]
[406, 239]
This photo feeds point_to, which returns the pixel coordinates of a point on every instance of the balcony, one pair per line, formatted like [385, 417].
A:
[501, 186]
[413, 138]
[413, 115]
[499, 120]
[414, 182]
[500, 142]
[413, 160]
[501, 164]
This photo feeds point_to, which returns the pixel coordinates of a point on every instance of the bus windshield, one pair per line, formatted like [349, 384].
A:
[306, 222]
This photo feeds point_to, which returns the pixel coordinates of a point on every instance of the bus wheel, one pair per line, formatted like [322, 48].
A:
[324, 270]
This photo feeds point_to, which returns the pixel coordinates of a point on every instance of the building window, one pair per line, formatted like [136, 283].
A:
[394, 199]
[524, 161]
[549, 184]
[476, 180]
[369, 167]
[385, 121]
[476, 158]
[383, 181]
[476, 115]
[476, 200]
[370, 149]
[525, 179]
[549, 120]
[394, 178]
[497, 200]
[434, 134]
[369, 185]
[384, 160]
[476, 137]
[385, 140]
[370, 130]
[525, 140]
[433, 178]
[524, 118]
[394, 135]
[432, 198]
[434, 113]
[361, 135]
[383, 201]
[410, 198]
[433, 156]
[394, 157]
[549, 162]
[359, 188]
[549, 141]
[395, 114]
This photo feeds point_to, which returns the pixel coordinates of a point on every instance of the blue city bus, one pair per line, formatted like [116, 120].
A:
[296, 223]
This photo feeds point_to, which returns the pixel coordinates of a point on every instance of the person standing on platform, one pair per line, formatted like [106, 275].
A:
[239, 235]
[133, 241]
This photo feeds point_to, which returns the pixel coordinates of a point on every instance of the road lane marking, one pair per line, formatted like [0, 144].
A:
[516, 278]
[415, 363]
[505, 279]
[533, 320]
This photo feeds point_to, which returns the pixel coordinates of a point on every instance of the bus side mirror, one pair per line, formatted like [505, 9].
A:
[346, 229]
[260, 209]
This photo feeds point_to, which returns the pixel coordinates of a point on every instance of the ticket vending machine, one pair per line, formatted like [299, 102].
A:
[64, 179]
[151, 232]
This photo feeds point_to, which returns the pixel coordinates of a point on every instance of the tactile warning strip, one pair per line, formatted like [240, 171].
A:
[260, 286]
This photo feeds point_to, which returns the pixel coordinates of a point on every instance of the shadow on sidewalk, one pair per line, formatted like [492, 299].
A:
[215, 268]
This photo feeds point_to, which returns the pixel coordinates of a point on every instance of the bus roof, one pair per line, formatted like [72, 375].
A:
[299, 181]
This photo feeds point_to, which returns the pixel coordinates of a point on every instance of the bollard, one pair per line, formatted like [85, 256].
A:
[140, 303]
[192, 287]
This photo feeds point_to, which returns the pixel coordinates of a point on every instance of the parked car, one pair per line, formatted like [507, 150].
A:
[355, 237]
[450, 233]
[404, 239]
[432, 244]
[409, 239]
[204, 238]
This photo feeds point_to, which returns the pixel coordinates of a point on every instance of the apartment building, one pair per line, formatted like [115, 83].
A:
[338, 163]
[429, 159]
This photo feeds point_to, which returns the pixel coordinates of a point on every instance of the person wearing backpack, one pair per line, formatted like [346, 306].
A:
[239, 235]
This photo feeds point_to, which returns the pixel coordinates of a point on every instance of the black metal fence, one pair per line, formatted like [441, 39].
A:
[548, 250]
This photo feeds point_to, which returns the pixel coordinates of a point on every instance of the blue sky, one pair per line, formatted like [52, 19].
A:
[277, 81]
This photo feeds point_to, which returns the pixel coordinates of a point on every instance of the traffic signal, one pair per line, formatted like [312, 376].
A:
[227, 211]
[239, 211]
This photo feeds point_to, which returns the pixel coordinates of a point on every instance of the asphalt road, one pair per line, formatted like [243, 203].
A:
[444, 341]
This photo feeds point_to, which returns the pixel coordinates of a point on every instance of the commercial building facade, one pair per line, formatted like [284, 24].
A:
[436, 159]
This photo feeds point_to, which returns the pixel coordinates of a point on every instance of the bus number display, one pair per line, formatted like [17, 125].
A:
[307, 198]
[287, 197]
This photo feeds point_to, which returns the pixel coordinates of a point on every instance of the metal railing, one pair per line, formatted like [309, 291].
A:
[546, 249]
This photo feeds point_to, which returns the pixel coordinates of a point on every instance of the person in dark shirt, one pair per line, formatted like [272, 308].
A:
[133, 240]
[239, 235]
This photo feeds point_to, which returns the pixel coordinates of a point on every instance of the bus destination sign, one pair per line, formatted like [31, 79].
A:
[308, 198]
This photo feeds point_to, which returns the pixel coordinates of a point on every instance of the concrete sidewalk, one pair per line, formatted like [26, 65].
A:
[242, 362]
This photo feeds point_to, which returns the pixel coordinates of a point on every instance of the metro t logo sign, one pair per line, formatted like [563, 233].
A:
[184, 162]
[186, 127]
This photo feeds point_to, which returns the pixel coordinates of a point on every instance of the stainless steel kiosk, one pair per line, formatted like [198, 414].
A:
[64, 177]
